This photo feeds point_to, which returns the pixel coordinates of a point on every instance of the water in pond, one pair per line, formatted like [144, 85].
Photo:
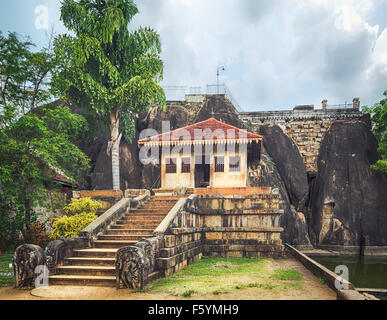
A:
[364, 272]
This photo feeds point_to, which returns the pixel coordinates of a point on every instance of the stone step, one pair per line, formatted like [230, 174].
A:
[166, 198]
[159, 202]
[135, 226]
[123, 236]
[96, 252]
[112, 244]
[87, 261]
[162, 201]
[82, 280]
[142, 217]
[87, 280]
[86, 270]
[155, 206]
[140, 221]
[146, 212]
[148, 231]
[143, 221]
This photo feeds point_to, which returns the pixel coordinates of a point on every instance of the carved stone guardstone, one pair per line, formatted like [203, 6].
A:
[25, 260]
[132, 267]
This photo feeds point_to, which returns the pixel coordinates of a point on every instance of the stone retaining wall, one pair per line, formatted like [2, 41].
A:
[240, 226]
[305, 127]
[219, 226]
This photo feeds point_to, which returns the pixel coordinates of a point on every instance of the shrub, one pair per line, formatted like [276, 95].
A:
[70, 226]
[83, 213]
[82, 205]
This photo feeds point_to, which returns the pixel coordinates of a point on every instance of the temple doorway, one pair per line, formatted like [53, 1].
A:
[202, 171]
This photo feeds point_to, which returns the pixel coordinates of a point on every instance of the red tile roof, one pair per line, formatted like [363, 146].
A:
[61, 178]
[207, 130]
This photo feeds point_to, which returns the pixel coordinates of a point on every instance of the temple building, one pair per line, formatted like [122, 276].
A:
[207, 154]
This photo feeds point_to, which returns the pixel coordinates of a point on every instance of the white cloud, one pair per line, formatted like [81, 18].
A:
[380, 50]
[277, 53]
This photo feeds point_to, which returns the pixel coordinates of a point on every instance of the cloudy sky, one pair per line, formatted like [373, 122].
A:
[276, 54]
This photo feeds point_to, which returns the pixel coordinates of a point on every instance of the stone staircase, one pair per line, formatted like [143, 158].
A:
[96, 266]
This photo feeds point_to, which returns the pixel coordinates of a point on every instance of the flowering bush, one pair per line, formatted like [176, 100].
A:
[83, 213]
[70, 226]
[82, 205]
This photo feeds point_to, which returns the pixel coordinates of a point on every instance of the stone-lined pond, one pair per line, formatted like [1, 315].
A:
[364, 272]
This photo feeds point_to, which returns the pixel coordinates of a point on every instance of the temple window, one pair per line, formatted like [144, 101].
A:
[219, 164]
[170, 165]
[235, 164]
[185, 165]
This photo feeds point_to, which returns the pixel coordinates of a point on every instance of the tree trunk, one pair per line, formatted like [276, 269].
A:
[116, 163]
[114, 147]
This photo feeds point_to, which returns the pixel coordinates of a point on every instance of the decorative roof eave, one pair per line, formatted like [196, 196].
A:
[169, 138]
[198, 142]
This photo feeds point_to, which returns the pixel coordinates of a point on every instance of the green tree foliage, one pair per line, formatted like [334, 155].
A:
[379, 127]
[35, 142]
[24, 74]
[106, 68]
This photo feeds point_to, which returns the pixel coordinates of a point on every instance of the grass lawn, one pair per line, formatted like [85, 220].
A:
[5, 261]
[224, 275]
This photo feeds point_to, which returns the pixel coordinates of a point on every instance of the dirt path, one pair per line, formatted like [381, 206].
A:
[312, 289]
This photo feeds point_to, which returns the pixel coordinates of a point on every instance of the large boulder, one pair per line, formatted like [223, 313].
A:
[265, 173]
[288, 161]
[220, 108]
[348, 199]
[175, 114]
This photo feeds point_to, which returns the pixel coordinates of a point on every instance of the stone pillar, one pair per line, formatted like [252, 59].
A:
[324, 104]
[356, 103]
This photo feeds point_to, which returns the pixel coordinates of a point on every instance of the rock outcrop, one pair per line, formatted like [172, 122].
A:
[288, 160]
[175, 114]
[220, 108]
[348, 202]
